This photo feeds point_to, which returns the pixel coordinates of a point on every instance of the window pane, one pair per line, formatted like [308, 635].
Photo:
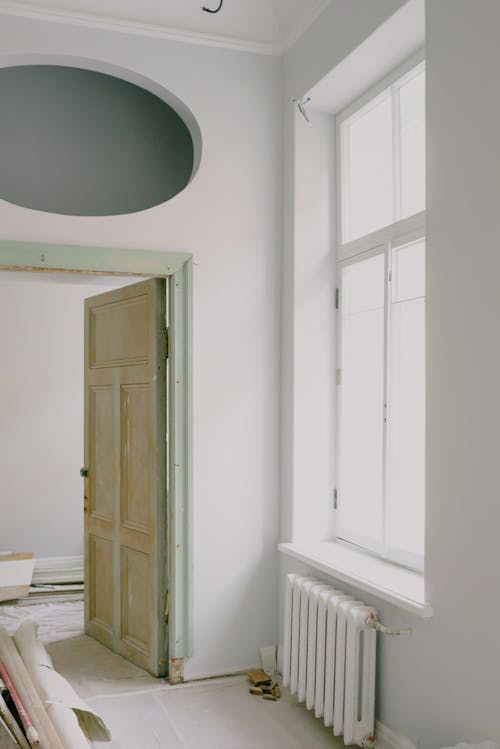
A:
[367, 167]
[408, 272]
[361, 400]
[406, 416]
[412, 107]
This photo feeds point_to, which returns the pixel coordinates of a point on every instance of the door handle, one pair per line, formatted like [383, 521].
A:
[84, 472]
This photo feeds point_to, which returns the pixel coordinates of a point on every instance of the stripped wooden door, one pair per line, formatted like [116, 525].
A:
[125, 460]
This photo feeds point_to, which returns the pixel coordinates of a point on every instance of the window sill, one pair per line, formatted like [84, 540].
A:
[389, 582]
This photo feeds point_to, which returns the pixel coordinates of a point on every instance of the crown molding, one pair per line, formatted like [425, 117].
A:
[106, 23]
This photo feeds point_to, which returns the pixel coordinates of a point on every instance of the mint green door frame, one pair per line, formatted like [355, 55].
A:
[177, 268]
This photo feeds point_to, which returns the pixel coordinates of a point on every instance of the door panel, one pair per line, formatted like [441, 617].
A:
[125, 454]
[101, 452]
[117, 333]
[99, 586]
[137, 452]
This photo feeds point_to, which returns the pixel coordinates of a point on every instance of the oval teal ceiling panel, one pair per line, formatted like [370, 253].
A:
[82, 143]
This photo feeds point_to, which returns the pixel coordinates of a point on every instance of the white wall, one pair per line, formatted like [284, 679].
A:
[314, 283]
[308, 285]
[440, 685]
[229, 218]
[41, 407]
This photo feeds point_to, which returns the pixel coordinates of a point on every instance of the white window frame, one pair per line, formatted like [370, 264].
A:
[382, 241]
[391, 84]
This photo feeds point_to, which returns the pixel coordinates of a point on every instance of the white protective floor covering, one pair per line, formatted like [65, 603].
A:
[147, 713]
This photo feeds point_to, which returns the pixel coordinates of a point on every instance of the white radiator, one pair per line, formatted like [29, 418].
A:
[329, 657]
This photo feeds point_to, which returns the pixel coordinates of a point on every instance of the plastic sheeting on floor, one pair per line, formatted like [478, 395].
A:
[56, 620]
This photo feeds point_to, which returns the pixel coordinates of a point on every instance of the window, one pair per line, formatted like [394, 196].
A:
[382, 150]
[381, 367]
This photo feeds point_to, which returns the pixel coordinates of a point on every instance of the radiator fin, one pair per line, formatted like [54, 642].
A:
[329, 656]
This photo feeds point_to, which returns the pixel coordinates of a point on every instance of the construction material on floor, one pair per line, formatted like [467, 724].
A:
[30, 698]
[263, 686]
[45, 591]
[55, 690]
[48, 711]
[16, 571]
[259, 678]
[268, 657]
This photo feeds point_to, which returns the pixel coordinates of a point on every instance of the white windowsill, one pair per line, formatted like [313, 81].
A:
[389, 582]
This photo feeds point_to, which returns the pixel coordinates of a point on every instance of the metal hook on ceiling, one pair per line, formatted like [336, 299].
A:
[209, 10]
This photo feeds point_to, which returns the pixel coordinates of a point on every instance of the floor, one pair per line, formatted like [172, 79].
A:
[145, 712]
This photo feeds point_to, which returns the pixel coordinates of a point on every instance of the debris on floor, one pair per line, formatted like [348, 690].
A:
[263, 686]
[257, 678]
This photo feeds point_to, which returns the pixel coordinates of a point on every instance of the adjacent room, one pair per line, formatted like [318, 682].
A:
[248, 402]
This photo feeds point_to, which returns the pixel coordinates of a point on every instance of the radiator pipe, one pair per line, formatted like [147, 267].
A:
[374, 623]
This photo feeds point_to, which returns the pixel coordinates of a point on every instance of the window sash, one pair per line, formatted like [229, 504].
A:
[389, 86]
[379, 548]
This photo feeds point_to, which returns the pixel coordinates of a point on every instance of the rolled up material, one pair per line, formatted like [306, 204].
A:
[9, 655]
[29, 728]
[57, 693]
[7, 739]
[68, 727]
[11, 726]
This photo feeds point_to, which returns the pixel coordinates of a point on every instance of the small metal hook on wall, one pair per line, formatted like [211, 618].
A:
[209, 10]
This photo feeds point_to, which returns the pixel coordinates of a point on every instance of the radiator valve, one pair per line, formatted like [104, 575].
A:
[368, 742]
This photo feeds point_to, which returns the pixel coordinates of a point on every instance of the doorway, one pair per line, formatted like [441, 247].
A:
[176, 606]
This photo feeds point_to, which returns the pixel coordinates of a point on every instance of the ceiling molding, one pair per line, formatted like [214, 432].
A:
[106, 23]
[300, 28]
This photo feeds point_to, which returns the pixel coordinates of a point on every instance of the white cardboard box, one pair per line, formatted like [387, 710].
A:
[16, 571]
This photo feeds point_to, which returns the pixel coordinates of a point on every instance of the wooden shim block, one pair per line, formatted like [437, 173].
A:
[14, 592]
[258, 678]
[28, 693]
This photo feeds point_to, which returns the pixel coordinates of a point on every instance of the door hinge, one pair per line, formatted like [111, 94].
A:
[167, 346]
[166, 606]
[335, 495]
[337, 298]
[339, 376]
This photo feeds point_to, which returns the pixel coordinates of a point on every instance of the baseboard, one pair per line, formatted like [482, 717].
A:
[228, 672]
[58, 570]
[388, 739]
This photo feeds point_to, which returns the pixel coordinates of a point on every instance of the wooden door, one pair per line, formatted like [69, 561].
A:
[125, 462]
